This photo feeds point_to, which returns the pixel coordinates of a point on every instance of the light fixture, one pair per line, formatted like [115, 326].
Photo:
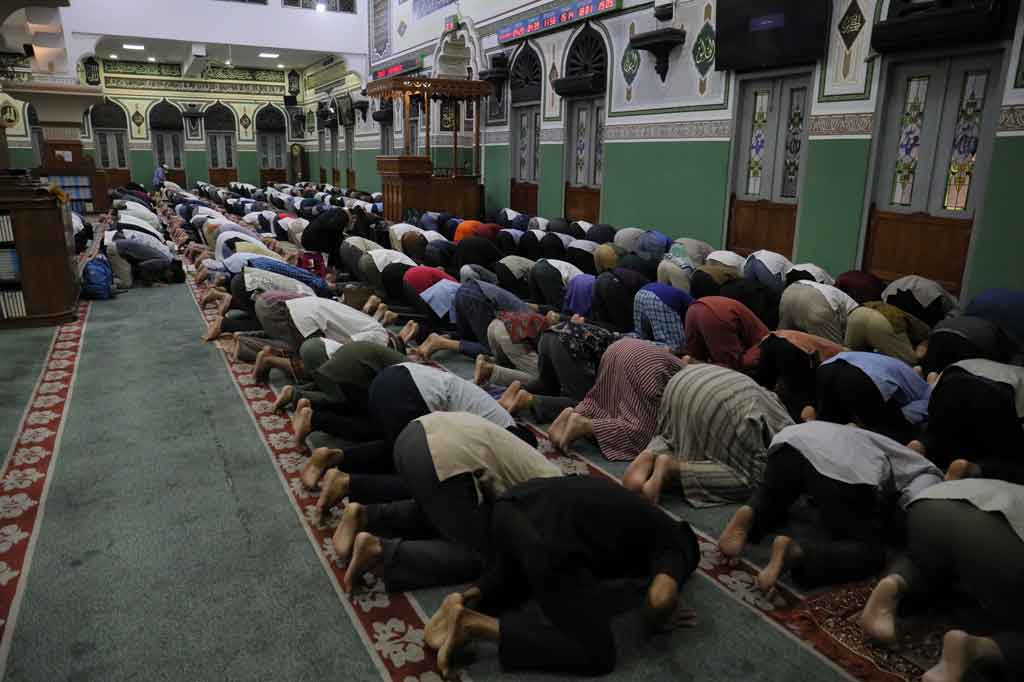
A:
[269, 55]
[151, 59]
[113, 56]
[128, 46]
[321, 7]
[280, 66]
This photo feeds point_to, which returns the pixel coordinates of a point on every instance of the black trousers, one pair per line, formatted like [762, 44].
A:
[945, 349]
[562, 380]
[846, 394]
[372, 475]
[351, 418]
[953, 543]
[852, 515]
[395, 401]
[546, 285]
[349, 256]
[788, 371]
[509, 282]
[571, 630]
[974, 418]
[438, 537]
[242, 301]
[613, 303]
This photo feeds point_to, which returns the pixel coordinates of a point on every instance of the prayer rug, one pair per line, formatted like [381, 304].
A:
[25, 477]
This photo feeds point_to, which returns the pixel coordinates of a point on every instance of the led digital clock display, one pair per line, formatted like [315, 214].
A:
[399, 68]
[577, 11]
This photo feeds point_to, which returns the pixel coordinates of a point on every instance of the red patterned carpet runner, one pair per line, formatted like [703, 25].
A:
[28, 468]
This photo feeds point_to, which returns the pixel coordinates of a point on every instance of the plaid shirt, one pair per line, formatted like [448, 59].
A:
[656, 322]
[318, 285]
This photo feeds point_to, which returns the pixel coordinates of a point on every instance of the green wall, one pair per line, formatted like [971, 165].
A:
[312, 165]
[142, 162]
[995, 260]
[197, 166]
[832, 203]
[551, 193]
[497, 187]
[678, 188]
[365, 161]
[249, 167]
[22, 158]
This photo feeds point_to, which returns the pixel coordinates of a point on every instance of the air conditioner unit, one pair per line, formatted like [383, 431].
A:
[198, 50]
[664, 9]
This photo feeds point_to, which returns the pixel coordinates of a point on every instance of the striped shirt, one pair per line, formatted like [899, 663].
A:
[623, 404]
[718, 415]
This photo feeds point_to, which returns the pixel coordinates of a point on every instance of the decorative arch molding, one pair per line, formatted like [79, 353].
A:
[220, 118]
[585, 64]
[526, 77]
[469, 31]
[270, 118]
[165, 115]
[110, 114]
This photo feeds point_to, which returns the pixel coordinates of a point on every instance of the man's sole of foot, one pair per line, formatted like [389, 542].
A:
[436, 629]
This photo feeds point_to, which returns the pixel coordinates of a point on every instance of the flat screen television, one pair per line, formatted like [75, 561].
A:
[766, 34]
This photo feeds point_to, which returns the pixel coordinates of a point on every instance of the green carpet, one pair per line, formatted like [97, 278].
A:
[170, 551]
[23, 352]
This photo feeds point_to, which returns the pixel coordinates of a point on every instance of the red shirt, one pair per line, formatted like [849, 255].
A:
[422, 277]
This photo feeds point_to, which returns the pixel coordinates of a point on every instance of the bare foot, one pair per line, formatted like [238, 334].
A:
[959, 651]
[653, 486]
[262, 370]
[213, 330]
[785, 551]
[482, 371]
[454, 636]
[524, 400]
[284, 398]
[209, 297]
[734, 537]
[557, 427]
[918, 370]
[508, 398]
[333, 490]
[933, 378]
[381, 311]
[430, 346]
[224, 305]
[576, 427]
[879, 616]
[302, 423]
[917, 446]
[961, 468]
[437, 628]
[320, 461]
[371, 304]
[366, 551]
[409, 331]
[353, 521]
[390, 317]
[808, 414]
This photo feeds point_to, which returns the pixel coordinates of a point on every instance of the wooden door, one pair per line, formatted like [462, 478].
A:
[526, 158]
[772, 143]
[940, 117]
[585, 159]
[222, 176]
[177, 176]
[523, 197]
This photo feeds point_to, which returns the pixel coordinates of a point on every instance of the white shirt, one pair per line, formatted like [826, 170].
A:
[398, 231]
[584, 245]
[837, 299]
[726, 258]
[584, 225]
[540, 224]
[776, 263]
[142, 237]
[385, 257]
[139, 211]
[264, 280]
[220, 250]
[987, 495]
[815, 271]
[857, 456]
[433, 235]
[135, 221]
[334, 320]
[539, 234]
[206, 210]
[444, 391]
[299, 223]
[567, 270]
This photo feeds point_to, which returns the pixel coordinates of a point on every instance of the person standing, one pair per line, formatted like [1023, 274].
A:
[159, 176]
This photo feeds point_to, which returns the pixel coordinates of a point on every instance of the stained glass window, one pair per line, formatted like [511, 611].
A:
[176, 150]
[758, 139]
[794, 141]
[582, 144]
[524, 146]
[965, 140]
[536, 143]
[910, 141]
[104, 149]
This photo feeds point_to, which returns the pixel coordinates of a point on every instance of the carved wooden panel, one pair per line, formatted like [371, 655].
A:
[408, 184]
[222, 176]
[177, 176]
[523, 197]
[105, 180]
[350, 179]
[582, 203]
[901, 244]
[761, 224]
[269, 176]
[335, 177]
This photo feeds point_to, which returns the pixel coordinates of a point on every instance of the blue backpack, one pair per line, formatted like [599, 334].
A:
[98, 279]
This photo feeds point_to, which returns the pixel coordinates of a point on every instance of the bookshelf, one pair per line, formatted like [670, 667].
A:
[38, 272]
[77, 187]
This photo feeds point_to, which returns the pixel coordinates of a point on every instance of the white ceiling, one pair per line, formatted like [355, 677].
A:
[177, 51]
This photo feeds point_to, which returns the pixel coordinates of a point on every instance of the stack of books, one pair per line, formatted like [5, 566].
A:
[10, 266]
[12, 304]
[6, 228]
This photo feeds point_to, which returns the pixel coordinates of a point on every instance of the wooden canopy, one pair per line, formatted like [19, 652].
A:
[406, 88]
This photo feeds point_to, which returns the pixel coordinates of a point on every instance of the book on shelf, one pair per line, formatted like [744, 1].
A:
[6, 228]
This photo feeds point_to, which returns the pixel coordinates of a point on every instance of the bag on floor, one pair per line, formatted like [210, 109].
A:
[98, 279]
[312, 261]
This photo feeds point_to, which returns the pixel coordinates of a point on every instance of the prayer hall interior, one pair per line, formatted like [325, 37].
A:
[474, 339]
